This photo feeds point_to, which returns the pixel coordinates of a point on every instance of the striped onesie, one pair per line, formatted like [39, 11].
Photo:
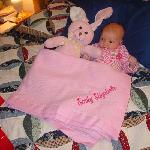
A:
[117, 58]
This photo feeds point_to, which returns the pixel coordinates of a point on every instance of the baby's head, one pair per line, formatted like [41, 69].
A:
[112, 36]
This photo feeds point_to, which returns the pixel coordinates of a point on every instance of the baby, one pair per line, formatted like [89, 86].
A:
[113, 52]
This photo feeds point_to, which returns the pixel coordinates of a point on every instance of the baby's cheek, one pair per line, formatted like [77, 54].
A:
[100, 44]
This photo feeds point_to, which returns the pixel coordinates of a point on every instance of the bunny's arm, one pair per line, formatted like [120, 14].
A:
[55, 42]
[91, 51]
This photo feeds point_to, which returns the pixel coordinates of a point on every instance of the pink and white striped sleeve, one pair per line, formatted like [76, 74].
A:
[127, 67]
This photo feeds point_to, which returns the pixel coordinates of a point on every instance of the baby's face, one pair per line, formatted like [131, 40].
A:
[109, 40]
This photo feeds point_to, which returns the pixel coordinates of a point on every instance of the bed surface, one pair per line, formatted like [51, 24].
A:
[18, 50]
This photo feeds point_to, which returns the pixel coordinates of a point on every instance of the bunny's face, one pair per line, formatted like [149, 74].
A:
[81, 31]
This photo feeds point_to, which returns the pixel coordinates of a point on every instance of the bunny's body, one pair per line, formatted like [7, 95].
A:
[65, 45]
[80, 34]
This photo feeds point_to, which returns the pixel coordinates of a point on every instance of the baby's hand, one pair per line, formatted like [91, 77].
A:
[132, 59]
[132, 62]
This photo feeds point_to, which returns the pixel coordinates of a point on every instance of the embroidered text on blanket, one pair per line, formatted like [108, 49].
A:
[95, 96]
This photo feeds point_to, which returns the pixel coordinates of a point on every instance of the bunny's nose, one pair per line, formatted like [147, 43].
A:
[80, 33]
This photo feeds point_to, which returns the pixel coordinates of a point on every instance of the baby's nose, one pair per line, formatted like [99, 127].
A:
[105, 44]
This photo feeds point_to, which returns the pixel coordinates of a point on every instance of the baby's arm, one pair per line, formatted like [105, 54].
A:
[55, 42]
[129, 63]
[133, 62]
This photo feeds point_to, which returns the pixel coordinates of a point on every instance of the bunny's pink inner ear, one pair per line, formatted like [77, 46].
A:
[96, 24]
[100, 16]
[78, 14]
[104, 13]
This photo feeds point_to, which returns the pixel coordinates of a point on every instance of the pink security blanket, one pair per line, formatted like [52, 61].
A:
[86, 100]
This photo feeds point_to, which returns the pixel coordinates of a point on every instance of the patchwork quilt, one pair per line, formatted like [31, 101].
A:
[28, 132]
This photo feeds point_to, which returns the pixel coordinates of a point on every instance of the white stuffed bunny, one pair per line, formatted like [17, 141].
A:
[80, 33]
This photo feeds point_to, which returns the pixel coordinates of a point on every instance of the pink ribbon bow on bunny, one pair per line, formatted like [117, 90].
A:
[80, 33]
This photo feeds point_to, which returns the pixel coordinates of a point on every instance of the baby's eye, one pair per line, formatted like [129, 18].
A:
[86, 32]
[102, 39]
[80, 27]
[110, 41]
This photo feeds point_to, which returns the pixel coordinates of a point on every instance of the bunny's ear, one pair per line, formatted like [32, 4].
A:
[77, 13]
[104, 13]
[100, 16]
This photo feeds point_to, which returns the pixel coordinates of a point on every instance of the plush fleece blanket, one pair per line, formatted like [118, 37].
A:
[86, 100]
